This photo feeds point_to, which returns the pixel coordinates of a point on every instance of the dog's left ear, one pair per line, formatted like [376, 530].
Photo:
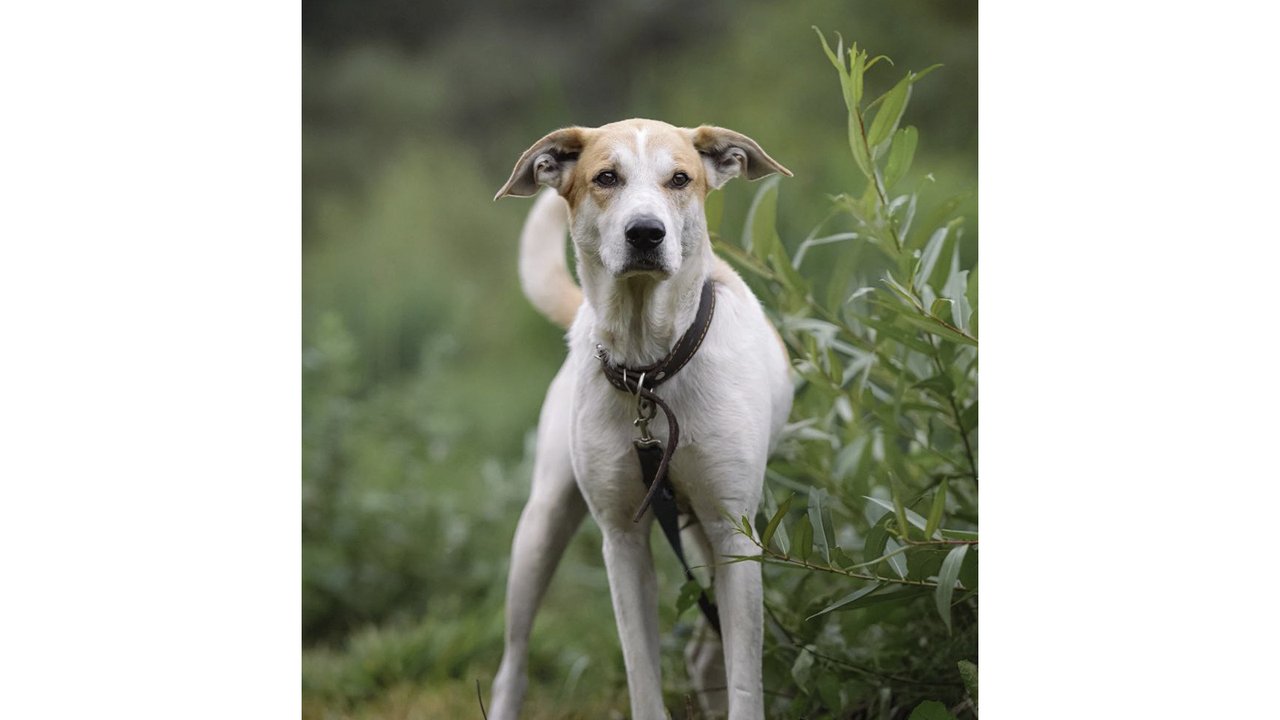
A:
[546, 162]
[728, 154]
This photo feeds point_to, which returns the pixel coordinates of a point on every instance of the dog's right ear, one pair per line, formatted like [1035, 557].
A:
[547, 162]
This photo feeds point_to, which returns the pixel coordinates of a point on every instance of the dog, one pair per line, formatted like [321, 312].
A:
[631, 195]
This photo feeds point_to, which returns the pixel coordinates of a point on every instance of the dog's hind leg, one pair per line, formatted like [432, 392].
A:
[549, 520]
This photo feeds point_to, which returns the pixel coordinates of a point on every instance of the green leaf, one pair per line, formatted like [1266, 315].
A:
[836, 58]
[816, 497]
[759, 232]
[955, 290]
[851, 597]
[902, 291]
[803, 666]
[831, 55]
[742, 259]
[931, 710]
[912, 517]
[947, 582]
[949, 534]
[942, 385]
[938, 327]
[877, 598]
[969, 675]
[857, 69]
[929, 256]
[802, 538]
[858, 147]
[839, 558]
[714, 207]
[775, 521]
[893, 553]
[877, 537]
[892, 105]
[935, 511]
[689, 593]
[915, 77]
[901, 153]
[899, 509]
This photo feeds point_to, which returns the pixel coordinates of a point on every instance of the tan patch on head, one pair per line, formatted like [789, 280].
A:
[603, 146]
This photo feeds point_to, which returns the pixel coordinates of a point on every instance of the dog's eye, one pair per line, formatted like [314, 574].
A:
[608, 178]
[679, 180]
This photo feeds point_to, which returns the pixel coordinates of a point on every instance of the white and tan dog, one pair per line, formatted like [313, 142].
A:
[631, 194]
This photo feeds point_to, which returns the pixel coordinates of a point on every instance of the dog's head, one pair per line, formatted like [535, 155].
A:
[636, 188]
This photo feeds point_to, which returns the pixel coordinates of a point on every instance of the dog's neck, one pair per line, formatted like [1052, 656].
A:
[638, 319]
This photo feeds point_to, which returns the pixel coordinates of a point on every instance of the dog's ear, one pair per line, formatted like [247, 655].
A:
[728, 154]
[546, 162]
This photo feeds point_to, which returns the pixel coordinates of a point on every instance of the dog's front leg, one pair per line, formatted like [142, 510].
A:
[740, 599]
[633, 586]
[739, 594]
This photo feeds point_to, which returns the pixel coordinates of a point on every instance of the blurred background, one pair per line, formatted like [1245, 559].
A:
[423, 365]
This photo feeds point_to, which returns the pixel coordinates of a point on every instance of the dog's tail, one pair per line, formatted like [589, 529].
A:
[544, 273]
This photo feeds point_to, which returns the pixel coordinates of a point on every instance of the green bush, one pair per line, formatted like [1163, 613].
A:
[869, 525]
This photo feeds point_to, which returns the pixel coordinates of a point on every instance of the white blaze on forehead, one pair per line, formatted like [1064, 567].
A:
[640, 163]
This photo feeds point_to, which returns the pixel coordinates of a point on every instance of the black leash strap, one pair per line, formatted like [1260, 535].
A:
[654, 459]
[664, 509]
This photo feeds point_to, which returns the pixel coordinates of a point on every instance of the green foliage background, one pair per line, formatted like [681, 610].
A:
[423, 366]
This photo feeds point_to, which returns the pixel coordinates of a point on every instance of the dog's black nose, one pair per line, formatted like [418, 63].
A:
[645, 233]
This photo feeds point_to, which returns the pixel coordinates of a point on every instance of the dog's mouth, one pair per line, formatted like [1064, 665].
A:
[644, 263]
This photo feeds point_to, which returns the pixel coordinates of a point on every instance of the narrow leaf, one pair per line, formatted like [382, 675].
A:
[857, 145]
[901, 154]
[876, 540]
[935, 511]
[688, 596]
[936, 326]
[893, 553]
[857, 69]
[802, 542]
[816, 497]
[759, 229]
[802, 668]
[913, 517]
[929, 256]
[956, 289]
[714, 206]
[892, 105]
[899, 509]
[947, 582]
[881, 597]
[851, 597]
[776, 520]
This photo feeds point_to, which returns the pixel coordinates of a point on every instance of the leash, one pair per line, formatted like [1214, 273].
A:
[654, 458]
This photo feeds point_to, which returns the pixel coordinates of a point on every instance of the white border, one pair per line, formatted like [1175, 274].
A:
[149, 377]
[1129, 397]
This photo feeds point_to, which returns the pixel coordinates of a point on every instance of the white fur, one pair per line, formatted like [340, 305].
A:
[731, 401]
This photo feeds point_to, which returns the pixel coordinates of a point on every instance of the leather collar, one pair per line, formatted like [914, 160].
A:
[642, 381]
